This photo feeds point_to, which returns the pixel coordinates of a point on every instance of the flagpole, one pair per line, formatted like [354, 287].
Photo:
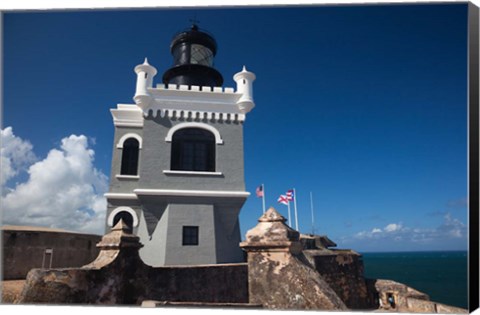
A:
[313, 219]
[263, 197]
[289, 221]
[295, 204]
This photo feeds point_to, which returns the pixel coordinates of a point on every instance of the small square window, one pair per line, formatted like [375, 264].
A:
[190, 235]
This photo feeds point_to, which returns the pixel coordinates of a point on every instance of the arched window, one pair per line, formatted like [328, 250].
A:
[130, 157]
[127, 219]
[193, 149]
[122, 213]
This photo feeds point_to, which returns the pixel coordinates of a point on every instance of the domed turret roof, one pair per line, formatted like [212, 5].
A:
[193, 52]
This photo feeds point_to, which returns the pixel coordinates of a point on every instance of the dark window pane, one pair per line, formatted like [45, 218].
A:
[130, 157]
[201, 55]
[190, 235]
[193, 149]
[181, 54]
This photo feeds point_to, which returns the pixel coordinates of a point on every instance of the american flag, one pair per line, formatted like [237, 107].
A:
[259, 191]
[283, 199]
[290, 195]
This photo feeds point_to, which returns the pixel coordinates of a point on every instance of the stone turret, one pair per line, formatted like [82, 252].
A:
[279, 275]
[244, 80]
[145, 73]
[119, 241]
[272, 235]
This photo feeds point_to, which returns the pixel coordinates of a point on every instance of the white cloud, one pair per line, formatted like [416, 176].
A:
[450, 229]
[64, 190]
[392, 227]
[16, 155]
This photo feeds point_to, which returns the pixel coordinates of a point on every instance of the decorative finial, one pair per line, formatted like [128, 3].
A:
[146, 61]
[244, 69]
[195, 22]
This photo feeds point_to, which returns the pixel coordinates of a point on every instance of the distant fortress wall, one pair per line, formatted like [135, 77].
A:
[25, 248]
[343, 271]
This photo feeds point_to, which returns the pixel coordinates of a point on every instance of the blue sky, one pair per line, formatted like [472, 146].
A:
[364, 106]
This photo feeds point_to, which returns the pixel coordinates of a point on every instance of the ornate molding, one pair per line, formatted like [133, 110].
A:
[122, 209]
[216, 133]
[127, 136]
[196, 115]
[191, 193]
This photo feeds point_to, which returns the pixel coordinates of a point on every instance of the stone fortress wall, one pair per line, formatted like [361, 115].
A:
[119, 277]
[343, 271]
[25, 248]
[280, 273]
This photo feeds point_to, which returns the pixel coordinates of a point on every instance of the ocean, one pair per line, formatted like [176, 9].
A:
[441, 274]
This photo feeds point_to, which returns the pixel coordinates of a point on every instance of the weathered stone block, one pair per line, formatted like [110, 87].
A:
[343, 271]
[279, 275]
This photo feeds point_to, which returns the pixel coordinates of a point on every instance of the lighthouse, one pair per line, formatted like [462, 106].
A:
[177, 175]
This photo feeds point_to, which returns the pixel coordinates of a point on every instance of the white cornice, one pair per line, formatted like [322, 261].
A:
[196, 114]
[177, 193]
[126, 115]
[120, 196]
[121, 176]
[198, 94]
[178, 101]
[170, 172]
[191, 193]
[185, 102]
[132, 116]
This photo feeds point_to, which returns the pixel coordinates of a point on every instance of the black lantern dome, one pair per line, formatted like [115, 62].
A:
[193, 52]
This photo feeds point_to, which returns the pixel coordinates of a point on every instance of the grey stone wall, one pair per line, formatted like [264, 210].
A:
[153, 232]
[110, 286]
[343, 271]
[24, 250]
[213, 283]
[118, 276]
[160, 231]
[161, 217]
[156, 158]
[227, 233]
[123, 184]
[180, 215]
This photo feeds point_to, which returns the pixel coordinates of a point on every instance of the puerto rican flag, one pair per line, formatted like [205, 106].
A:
[283, 200]
[290, 195]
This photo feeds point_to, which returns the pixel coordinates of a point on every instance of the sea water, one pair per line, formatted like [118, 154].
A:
[441, 274]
